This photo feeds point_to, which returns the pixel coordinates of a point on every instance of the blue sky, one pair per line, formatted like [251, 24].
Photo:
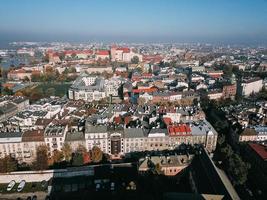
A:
[134, 20]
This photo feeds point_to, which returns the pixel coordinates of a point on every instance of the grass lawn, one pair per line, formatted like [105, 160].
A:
[54, 89]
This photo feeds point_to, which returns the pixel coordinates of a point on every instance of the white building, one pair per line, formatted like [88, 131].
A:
[96, 136]
[249, 86]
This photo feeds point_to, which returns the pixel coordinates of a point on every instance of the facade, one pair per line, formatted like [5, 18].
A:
[167, 165]
[229, 91]
[249, 86]
[54, 136]
[93, 88]
[96, 136]
[256, 133]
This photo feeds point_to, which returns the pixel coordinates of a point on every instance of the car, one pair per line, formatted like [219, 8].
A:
[21, 185]
[97, 187]
[112, 186]
[44, 184]
[34, 197]
[10, 185]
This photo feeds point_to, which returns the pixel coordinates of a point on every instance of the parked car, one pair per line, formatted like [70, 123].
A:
[21, 186]
[34, 197]
[44, 184]
[10, 185]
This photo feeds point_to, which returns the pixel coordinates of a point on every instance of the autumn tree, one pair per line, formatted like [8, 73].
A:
[81, 149]
[96, 154]
[67, 151]
[8, 164]
[57, 156]
[41, 162]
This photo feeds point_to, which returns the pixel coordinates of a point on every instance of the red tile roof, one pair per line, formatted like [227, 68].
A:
[167, 120]
[261, 150]
[148, 90]
[181, 129]
[124, 49]
[102, 52]
[69, 52]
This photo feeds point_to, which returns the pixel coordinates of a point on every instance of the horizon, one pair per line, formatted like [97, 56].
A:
[225, 22]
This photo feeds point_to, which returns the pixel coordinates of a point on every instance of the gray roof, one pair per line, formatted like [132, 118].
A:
[10, 134]
[158, 130]
[95, 129]
[74, 136]
[135, 132]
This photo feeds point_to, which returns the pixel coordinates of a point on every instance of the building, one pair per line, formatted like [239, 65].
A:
[102, 55]
[54, 136]
[96, 136]
[30, 141]
[167, 165]
[88, 88]
[229, 91]
[257, 133]
[19, 74]
[249, 86]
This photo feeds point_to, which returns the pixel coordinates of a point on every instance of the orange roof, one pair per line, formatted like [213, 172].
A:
[167, 120]
[148, 90]
[124, 49]
[175, 130]
[8, 85]
[102, 52]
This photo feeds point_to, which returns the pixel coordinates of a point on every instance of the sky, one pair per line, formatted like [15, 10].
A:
[240, 21]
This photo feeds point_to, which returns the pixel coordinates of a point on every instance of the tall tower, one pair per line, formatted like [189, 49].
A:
[113, 52]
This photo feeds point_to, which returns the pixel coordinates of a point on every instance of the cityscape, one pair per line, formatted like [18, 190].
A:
[143, 103]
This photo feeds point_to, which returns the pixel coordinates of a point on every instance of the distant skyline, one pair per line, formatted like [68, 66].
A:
[214, 21]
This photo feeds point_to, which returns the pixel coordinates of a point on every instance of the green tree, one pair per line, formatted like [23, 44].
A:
[73, 55]
[77, 159]
[41, 162]
[51, 92]
[96, 154]
[135, 60]
[228, 70]
[226, 151]
[7, 91]
[238, 169]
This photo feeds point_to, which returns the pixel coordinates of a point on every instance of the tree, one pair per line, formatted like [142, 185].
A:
[96, 154]
[221, 139]
[73, 55]
[238, 169]
[61, 56]
[81, 149]
[67, 151]
[51, 91]
[41, 162]
[77, 159]
[8, 164]
[26, 79]
[57, 156]
[35, 77]
[135, 60]
[228, 70]
[7, 91]
[227, 151]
